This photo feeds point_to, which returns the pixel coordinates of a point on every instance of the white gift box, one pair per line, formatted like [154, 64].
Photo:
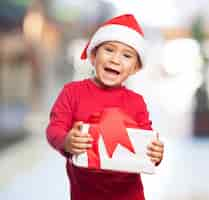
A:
[122, 159]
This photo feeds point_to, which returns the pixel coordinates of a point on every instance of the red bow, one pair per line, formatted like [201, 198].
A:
[111, 124]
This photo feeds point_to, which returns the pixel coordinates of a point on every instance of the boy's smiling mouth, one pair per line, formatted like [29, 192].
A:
[111, 70]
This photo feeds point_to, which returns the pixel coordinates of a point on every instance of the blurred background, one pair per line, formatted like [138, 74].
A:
[41, 41]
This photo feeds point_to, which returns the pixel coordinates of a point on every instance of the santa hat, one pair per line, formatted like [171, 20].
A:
[123, 29]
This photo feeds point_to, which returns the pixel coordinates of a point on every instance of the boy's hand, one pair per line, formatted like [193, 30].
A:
[155, 150]
[77, 142]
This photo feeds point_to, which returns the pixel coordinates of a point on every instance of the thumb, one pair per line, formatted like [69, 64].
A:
[157, 135]
[78, 125]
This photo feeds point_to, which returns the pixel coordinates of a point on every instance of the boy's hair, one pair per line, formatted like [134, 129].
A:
[125, 29]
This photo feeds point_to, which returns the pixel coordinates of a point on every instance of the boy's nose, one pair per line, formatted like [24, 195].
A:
[115, 58]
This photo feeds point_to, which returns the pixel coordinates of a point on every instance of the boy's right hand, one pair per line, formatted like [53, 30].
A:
[77, 142]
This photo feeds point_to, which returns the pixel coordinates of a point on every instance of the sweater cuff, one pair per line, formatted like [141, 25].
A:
[57, 141]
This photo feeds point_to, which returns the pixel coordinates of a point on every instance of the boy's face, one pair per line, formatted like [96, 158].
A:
[114, 62]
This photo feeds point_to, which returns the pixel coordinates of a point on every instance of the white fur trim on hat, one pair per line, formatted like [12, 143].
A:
[118, 33]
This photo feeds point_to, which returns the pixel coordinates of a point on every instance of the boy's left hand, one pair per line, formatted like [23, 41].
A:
[155, 150]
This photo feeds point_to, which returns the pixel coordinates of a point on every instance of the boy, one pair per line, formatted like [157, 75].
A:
[116, 51]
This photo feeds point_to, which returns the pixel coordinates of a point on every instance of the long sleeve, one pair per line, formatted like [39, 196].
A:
[143, 116]
[60, 121]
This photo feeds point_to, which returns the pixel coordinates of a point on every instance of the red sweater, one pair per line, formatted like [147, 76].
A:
[76, 102]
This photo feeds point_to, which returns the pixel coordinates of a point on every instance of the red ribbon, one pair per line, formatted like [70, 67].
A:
[111, 124]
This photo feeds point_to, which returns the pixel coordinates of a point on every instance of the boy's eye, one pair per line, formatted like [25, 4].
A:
[108, 49]
[127, 55]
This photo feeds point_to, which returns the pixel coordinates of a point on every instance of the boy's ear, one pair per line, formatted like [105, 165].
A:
[136, 68]
[93, 57]
[138, 65]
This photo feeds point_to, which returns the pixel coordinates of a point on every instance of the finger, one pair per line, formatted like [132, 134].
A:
[77, 133]
[78, 125]
[81, 146]
[83, 139]
[153, 154]
[157, 136]
[157, 143]
[155, 148]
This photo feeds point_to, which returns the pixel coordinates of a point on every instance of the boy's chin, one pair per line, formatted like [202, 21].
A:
[107, 84]
[111, 85]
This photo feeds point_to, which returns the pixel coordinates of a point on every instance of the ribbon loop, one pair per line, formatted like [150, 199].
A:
[111, 124]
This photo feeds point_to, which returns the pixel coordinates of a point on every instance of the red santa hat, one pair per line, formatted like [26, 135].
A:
[125, 29]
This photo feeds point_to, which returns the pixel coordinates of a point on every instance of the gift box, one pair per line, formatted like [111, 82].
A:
[119, 144]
